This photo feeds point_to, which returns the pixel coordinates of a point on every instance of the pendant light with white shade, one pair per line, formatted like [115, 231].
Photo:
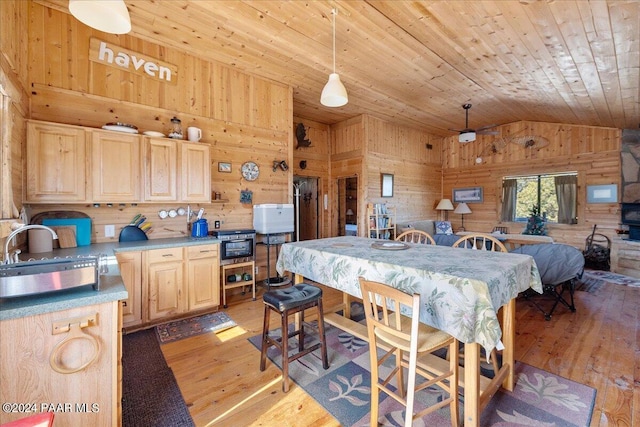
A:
[109, 16]
[334, 93]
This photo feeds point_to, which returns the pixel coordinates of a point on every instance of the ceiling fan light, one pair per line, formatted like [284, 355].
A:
[109, 16]
[465, 137]
[334, 93]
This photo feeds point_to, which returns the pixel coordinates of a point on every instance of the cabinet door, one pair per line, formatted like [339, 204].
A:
[130, 264]
[165, 275]
[161, 166]
[195, 173]
[203, 276]
[28, 378]
[56, 163]
[115, 167]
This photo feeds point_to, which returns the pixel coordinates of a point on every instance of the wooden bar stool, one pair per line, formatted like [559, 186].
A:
[289, 301]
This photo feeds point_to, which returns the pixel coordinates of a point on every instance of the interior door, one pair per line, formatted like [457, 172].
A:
[348, 206]
[306, 205]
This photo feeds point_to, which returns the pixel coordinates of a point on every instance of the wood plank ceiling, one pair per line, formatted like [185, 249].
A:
[417, 62]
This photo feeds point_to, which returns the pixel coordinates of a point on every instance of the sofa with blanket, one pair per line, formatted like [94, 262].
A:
[442, 238]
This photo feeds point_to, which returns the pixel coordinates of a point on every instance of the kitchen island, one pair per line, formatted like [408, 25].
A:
[61, 351]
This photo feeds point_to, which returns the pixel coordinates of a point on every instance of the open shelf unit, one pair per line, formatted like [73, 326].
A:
[381, 221]
[237, 268]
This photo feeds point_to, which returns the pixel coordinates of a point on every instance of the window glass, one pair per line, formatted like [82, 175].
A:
[552, 195]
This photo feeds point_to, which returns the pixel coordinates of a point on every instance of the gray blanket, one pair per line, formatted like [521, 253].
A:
[556, 262]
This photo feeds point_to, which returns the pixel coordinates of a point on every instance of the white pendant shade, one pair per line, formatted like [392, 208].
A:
[109, 16]
[334, 94]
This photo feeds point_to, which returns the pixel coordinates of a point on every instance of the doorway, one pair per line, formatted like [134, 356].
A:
[348, 206]
[306, 204]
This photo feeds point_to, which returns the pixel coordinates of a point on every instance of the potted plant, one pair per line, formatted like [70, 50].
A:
[535, 223]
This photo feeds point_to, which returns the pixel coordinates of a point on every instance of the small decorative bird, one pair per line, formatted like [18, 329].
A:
[301, 135]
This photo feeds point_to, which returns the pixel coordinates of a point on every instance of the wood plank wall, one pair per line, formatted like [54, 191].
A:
[366, 146]
[593, 152]
[242, 117]
[414, 158]
[317, 165]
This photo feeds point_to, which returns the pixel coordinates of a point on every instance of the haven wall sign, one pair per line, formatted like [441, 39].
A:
[134, 62]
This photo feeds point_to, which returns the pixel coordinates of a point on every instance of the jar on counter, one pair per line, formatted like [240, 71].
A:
[176, 128]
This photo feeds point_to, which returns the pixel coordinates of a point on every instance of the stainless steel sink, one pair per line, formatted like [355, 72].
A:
[48, 275]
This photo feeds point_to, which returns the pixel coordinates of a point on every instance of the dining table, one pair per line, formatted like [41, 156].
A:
[461, 292]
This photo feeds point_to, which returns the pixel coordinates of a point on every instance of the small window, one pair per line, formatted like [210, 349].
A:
[553, 195]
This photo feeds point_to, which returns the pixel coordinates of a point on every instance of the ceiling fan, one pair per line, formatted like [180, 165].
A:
[469, 135]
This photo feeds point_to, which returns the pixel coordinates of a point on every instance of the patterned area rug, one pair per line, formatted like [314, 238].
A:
[212, 322]
[539, 398]
[592, 280]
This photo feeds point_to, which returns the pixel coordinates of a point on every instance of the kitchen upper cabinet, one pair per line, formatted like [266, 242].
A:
[72, 164]
[177, 171]
[116, 167]
[195, 173]
[130, 265]
[165, 273]
[56, 163]
[161, 169]
[203, 276]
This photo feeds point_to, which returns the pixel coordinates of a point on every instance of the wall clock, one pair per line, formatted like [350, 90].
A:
[250, 171]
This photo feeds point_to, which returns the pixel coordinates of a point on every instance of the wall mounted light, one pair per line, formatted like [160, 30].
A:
[109, 16]
[334, 93]
[282, 164]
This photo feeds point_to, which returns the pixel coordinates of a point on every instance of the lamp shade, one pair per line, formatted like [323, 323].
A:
[445, 205]
[109, 16]
[334, 93]
[349, 212]
[462, 209]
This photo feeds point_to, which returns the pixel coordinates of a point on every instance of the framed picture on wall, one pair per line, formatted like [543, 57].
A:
[386, 184]
[602, 193]
[224, 167]
[467, 195]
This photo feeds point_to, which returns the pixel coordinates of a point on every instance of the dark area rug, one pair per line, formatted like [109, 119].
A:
[150, 394]
[539, 397]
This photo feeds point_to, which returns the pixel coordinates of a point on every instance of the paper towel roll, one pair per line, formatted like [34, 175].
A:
[40, 241]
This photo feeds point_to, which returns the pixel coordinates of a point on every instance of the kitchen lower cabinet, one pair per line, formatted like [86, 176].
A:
[64, 361]
[56, 163]
[169, 283]
[130, 264]
[165, 272]
[202, 276]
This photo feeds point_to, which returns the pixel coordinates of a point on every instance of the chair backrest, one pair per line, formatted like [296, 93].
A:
[382, 312]
[482, 242]
[416, 236]
[503, 230]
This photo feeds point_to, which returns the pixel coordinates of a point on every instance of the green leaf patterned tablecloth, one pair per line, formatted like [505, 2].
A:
[460, 289]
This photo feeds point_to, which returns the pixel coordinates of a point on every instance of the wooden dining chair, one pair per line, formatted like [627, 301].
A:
[416, 236]
[405, 338]
[480, 241]
[500, 229]
[483, 242]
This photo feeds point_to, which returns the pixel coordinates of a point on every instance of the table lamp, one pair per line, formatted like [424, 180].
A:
[462, 209]
[446, 206]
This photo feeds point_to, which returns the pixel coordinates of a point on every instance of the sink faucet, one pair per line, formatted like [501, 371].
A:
[7, 258]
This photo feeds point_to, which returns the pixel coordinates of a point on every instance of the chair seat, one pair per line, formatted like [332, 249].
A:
[288, 298]
[428, 337]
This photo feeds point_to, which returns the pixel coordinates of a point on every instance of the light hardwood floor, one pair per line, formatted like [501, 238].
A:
[599, 345]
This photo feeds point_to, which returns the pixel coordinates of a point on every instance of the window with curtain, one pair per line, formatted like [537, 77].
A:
[553, 195]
